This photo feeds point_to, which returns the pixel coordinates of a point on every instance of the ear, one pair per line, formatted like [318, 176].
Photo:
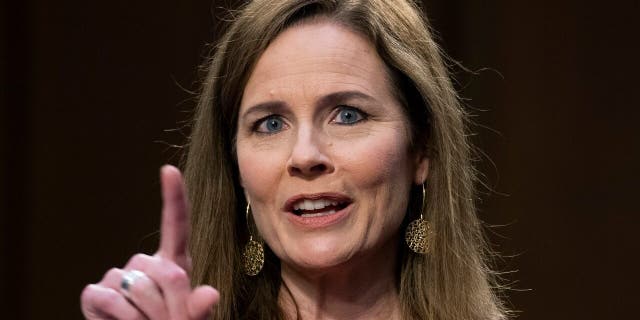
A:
[246, 195]
[242, 185]
[422, 169]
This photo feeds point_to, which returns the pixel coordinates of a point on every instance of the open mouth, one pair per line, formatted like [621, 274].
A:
[307, 208]
[317, 205]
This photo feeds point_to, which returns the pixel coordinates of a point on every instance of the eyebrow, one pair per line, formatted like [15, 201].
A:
[344, 95]
[266, 107]
[278, 106]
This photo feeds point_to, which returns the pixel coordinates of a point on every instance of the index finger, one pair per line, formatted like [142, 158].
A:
[176, 226]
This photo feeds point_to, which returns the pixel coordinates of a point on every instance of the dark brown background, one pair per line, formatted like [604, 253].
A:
[89, 89]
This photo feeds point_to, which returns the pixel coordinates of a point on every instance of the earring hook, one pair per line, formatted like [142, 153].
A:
[424, 197]
[247, 220]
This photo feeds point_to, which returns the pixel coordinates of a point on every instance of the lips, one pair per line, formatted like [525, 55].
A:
[309, 204]
[316, 210]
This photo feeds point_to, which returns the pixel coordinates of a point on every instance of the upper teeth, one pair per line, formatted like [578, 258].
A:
[307, 204]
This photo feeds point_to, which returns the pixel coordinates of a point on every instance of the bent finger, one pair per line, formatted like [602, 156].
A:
[172, 280]
[201, 301]
[100, 302]
[141, 291]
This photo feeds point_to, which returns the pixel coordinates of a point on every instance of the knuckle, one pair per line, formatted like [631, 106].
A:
[113, 272]
[175, 275]
[110, 277]
[87, 293]
[138, 259]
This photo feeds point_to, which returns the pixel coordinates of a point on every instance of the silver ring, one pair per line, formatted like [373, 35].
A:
[128, 279]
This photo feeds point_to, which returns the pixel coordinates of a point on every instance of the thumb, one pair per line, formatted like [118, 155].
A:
[201, 301]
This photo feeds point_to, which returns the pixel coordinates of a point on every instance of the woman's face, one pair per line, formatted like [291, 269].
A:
[323, 148]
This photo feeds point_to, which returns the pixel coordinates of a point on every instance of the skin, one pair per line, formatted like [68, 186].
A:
[165, 291]
[305, 146]
[341, 271]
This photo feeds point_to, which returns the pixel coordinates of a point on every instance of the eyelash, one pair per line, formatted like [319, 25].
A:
[258, 123]
[361, 116]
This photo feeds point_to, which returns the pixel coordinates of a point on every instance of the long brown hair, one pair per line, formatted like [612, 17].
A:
[454, 281]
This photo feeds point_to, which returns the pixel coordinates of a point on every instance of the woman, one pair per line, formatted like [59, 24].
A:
[329, 176]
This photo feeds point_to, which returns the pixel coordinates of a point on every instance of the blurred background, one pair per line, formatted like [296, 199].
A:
[92, 93]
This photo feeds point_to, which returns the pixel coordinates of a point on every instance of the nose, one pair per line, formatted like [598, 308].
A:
[309, 157]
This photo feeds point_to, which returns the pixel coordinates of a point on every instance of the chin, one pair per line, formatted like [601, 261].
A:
[320, 254]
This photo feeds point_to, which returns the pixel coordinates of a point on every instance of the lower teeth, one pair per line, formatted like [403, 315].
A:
[318, 214]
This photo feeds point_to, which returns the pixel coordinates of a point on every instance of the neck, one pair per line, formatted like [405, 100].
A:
[362, 288]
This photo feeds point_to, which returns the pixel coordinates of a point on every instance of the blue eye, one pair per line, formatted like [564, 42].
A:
[348, 115]
[270, 124]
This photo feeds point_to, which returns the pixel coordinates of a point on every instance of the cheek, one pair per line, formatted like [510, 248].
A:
[260, 170]
[380, 171]
[380, 159]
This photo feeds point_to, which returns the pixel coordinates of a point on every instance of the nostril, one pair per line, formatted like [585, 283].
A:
[294, 170]
[318, 168]
[308, 163]
[314, 170]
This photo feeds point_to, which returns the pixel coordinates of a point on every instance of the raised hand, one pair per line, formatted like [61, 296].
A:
[158, 286]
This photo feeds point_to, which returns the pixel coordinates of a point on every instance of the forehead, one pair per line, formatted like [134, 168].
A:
[317, 56]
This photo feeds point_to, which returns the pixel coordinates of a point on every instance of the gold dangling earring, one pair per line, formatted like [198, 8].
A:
[419, 234]
[253, 253]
